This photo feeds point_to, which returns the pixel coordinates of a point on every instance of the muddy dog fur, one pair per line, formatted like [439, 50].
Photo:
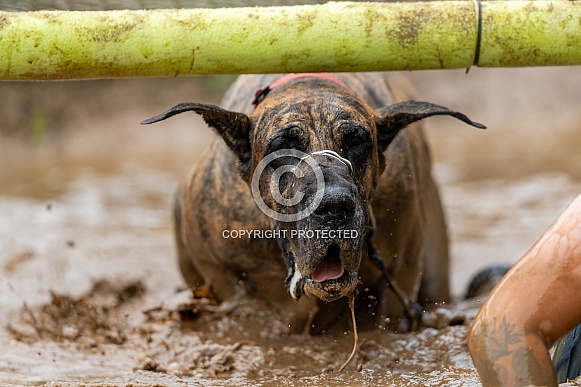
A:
[388, 190]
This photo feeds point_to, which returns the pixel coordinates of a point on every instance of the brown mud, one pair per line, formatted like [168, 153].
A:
[90, 293]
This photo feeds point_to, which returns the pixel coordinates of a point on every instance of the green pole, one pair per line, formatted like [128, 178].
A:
[328, 37]
[530, 33]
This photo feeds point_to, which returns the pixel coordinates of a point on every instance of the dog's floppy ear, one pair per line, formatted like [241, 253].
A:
[391, 119]
[232, 126]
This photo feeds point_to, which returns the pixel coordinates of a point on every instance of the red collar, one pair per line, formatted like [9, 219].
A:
[261, 94]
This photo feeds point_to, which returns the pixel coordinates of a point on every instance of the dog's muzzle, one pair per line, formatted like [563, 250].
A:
[327, 268]
[327, 290]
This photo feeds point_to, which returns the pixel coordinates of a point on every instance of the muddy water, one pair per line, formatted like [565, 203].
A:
[89, 292]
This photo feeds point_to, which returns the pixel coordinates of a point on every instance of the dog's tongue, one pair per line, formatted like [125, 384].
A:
[330, 268]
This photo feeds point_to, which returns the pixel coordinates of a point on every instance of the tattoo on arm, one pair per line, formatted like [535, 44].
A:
[491, 343]
[503, 356]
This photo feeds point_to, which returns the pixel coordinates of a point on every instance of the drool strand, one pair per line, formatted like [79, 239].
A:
[355, 335]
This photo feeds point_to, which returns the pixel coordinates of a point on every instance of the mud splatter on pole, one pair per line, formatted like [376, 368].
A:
[327, 37]
[530, 33]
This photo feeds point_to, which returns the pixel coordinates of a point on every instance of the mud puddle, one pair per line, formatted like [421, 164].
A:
[110, 328]
[90, 293]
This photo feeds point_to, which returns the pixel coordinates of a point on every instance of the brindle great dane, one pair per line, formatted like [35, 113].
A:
[376, 184]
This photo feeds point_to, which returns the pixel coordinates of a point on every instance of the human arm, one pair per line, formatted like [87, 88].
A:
[538, 301]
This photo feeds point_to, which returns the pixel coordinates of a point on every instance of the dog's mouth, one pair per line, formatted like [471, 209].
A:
[329, 281]
[330, 267]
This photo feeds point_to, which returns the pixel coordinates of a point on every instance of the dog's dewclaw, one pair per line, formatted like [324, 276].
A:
[355, 335]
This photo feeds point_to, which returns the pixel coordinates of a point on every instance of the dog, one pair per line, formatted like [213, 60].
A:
[354, 211]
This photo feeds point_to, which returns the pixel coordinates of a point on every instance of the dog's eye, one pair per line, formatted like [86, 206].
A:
[354, 135]
[288, 137]
[356, 145]
[276, 143]
[354, 142]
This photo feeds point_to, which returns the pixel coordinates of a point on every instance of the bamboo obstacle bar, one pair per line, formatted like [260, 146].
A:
[343, 36]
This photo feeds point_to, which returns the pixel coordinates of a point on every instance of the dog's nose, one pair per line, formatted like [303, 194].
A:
[336, 202]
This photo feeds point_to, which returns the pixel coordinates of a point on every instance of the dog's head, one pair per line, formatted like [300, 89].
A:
[312, 154]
